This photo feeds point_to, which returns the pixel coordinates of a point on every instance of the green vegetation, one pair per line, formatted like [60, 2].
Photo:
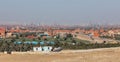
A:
[90, 46]
[65, 42]
[117, 37]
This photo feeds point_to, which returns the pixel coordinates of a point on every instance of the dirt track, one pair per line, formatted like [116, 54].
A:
[103, 55]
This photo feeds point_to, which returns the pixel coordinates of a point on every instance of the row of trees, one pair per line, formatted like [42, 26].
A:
[9, 46]
[90, 46]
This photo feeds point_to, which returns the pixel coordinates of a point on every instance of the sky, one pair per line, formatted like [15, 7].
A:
[69, 12]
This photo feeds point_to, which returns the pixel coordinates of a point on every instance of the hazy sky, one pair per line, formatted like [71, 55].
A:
[60, 11]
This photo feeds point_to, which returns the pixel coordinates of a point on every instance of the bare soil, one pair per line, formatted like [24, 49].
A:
[94, 55]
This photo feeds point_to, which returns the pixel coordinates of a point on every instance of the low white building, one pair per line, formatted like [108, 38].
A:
[44, 48]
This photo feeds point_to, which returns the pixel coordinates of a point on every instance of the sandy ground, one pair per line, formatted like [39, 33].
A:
[94, 55]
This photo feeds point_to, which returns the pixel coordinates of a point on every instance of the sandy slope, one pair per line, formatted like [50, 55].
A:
[97, 55]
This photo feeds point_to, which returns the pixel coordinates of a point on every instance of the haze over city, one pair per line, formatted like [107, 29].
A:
[59, 30]
[59, 12]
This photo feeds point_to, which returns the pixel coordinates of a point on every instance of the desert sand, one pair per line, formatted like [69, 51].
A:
[92, 55]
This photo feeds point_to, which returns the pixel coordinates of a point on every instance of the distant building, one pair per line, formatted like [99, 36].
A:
[2, 32]
[61, 33]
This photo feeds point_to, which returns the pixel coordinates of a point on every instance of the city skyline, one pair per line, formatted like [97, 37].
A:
[68, 12]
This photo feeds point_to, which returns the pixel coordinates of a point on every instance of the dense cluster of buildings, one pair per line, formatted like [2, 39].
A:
[13, 31]
[39, 36]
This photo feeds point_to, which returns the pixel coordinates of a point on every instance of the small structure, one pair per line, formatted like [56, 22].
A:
[40, 49]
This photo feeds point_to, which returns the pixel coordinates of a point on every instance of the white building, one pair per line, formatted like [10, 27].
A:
[40, 49]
